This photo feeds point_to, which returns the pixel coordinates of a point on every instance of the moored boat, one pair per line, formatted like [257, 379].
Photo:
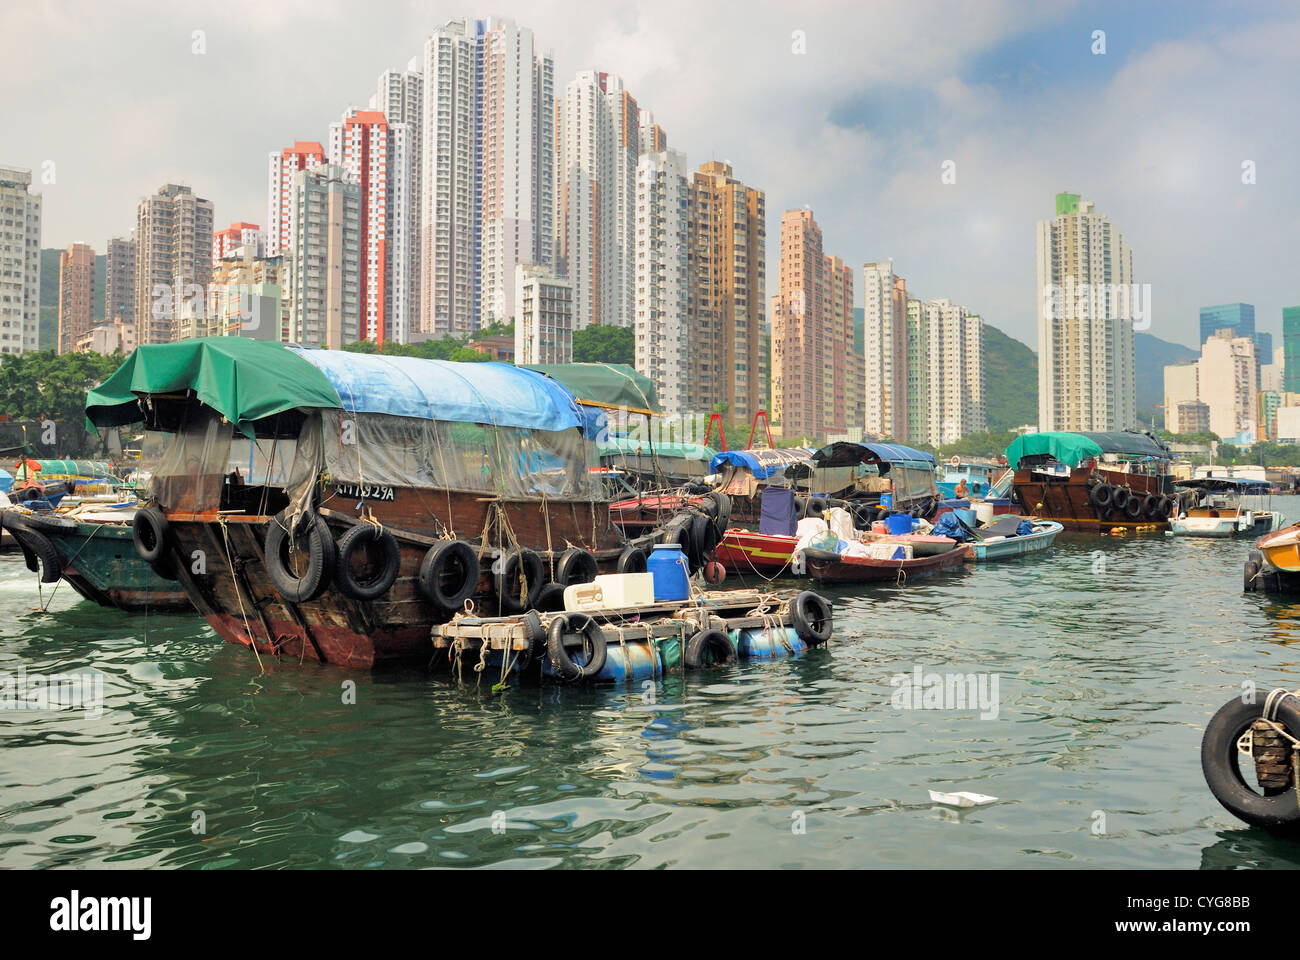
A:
[93, 551]
[829, 567]
[1096, 482]
[1002, 547]
[1220, 512]
[396, 490]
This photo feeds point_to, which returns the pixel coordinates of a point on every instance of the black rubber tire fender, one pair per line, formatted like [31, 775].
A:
[1151, 506]
[434, 570]
[717, 506]
[576, 566]
[149, 532]
[800, 506]
[632, 560]
[550, 600]
[53, 524]
[1133, 508]
[704, 538]
[1102, 495]
[506, 579]
[1250, 574]
[812, 617]
[564, 665]
[1119, 498]
[321, 556]
[1165, 509]
[863, 515]
[816, 507]
[1219, 765]
[709, 648]
[358, 538]
[44, 557]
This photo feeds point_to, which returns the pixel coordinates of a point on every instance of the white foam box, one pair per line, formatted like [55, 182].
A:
[611, 590]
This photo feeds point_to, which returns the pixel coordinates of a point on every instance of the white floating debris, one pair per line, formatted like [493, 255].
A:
[962, 798]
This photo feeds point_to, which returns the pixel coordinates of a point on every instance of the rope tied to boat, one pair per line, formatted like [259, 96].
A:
[239, 594]
[1272, 704]
[773, 625]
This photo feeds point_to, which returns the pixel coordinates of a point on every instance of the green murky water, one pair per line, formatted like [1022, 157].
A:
[1110, 654]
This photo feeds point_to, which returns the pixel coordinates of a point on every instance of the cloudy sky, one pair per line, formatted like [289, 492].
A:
[858, 127]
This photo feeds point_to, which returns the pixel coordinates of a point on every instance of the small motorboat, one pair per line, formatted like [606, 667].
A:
[1220, 512]
[1003, 546]
[830, 567]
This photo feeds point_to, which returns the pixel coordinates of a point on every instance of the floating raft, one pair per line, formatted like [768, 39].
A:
[631, 644]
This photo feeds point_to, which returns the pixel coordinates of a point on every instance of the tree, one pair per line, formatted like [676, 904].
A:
[604, 344]
[49, 386]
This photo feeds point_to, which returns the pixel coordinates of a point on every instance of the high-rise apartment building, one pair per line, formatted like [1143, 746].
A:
[400, 98]
[799, 328]
[376, 156]
[20, 262]
[173, 258]
[884, 342]
[729, 337]
[661, 267]
[544, 318]
[598, 140]
[283, 166]
[76, 295]
[945, 372]
[1226, 382]
[241, 234]
[324, 271]
[1086, 373]
[487, 184]
[841, 376]
[119, 280]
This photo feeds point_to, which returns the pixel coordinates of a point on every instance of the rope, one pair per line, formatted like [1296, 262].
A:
[239, 594]
[45, 604]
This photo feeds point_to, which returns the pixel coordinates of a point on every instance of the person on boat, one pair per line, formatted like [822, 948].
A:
[961, 491]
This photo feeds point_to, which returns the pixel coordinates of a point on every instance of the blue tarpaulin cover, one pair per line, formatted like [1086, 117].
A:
[949, 526]
[491, 393]
[762, 463]
[776, 512]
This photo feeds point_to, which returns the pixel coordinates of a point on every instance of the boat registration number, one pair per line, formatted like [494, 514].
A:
[366, 491]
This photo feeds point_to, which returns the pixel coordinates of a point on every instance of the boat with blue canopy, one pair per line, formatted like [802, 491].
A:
[388, 492]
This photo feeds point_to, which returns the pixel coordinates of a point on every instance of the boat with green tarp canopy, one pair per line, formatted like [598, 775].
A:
[243, 380]
[1072, 449]
[615, 386]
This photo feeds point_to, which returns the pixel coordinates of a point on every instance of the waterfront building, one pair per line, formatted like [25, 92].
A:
[662, 275]
[283, 166]
[544, 319]
[119, 279]
[76, 295]
[1086, 370]
[20, 266]
[173, 258]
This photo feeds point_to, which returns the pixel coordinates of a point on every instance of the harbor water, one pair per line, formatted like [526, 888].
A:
[1103, 661]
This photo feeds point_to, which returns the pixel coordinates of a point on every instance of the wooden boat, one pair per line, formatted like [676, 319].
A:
[93, 551]
[1281, 549]
[747, 552]
[1220, 512]
[834, 568]
[1003, 547]
[1094, 482]
[379, 494]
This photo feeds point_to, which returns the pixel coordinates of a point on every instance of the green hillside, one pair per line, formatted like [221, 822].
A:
[1010, 381]
[1151, 355]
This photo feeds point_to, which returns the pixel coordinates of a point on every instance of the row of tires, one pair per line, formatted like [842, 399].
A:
[39, 553]
[810, 615]
[1112, 501]
[304, 562]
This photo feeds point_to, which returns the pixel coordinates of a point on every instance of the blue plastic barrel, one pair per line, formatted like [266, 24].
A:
[898, 523]
[667, 565]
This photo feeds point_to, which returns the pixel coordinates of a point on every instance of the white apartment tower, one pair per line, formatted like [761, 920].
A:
[661, 267]
[173, 262]
[324, 267]
[400, 98]
[487, 135]
[282, 167]
[1086, 372]
[884, 317]
[375, 155]
[598, 136]
[544, 318]
[20, 262]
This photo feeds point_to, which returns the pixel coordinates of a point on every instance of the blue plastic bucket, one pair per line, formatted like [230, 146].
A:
[898, 523]
[667, 564]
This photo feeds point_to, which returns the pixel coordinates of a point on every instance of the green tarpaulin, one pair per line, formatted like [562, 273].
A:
[630, 446]
[1073, 448]
[243, 380]
[614, 385]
